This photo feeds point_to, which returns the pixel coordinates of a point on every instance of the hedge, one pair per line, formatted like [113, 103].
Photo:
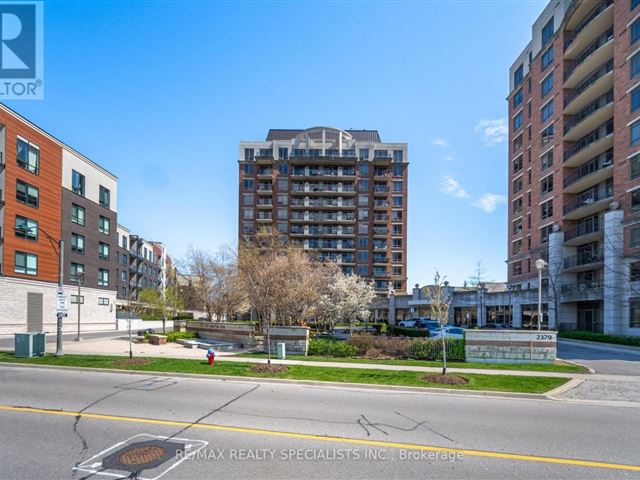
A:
[601, 337]
[407, 332]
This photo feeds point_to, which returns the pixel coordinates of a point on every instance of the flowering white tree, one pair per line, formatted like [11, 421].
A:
[439, 300]
[348, 298]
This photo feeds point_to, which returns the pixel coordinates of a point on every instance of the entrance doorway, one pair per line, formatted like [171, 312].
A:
[589, 317]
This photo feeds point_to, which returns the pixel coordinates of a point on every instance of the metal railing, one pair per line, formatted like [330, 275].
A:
[597, 10]
[602, 40]
[595, 135]
[593, 77]
[599, 103]
[581, 287]
[594, 194]
[591, 225]
[583, 258]
[603, 160]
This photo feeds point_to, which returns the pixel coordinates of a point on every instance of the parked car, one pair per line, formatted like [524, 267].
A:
[448, 331]
[409, 323]
[494, 326]
[427, 324]
[150, 331]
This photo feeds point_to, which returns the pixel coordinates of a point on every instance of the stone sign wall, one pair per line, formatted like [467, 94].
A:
[510, 346]
[241, 334]
[296, 340]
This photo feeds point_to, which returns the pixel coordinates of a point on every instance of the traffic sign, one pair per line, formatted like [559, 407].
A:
[62, 303]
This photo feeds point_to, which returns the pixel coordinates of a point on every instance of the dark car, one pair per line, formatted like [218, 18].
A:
[150, 331]
[427, 324]
[494, 326]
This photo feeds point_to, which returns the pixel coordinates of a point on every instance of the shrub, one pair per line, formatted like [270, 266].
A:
[173, 336]
[416, 348]
[331, 348]
[407, 332]
[374, 353]
[601, 337]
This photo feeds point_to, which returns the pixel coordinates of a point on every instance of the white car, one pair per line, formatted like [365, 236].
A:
[449, 332]
[409, 323]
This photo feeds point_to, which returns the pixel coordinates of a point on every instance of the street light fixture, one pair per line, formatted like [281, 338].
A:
[60, 252]
[540, 265]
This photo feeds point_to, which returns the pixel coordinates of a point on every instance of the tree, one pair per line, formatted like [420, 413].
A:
[348, 298]
[440, 300]
[227, 295]
[163, 303]
[479, 275]
[200, 265]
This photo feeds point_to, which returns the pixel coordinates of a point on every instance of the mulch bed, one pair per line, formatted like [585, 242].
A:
[446, 379]
[129, 362]
[266, 368]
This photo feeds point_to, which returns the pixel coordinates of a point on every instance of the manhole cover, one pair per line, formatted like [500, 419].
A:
[140, 456]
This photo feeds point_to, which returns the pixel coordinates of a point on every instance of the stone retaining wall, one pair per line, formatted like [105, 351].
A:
[241, 334]
[510, 346]
[296, 340]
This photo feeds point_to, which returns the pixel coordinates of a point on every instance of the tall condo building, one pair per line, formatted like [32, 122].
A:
[574, 164]
[340, 193]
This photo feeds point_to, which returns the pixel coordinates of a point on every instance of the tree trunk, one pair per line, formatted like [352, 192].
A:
[269, 343]
[444, 355]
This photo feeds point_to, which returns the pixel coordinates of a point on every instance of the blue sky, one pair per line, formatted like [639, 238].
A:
[160, 93]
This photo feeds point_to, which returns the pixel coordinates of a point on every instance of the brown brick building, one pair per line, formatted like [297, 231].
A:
[574, 164]
[340, 193]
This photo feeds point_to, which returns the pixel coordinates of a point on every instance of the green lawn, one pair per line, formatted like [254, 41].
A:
[501, 383]
[532, 367]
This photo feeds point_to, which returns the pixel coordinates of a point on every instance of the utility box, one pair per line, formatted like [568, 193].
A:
[30, 344]
[282, 350]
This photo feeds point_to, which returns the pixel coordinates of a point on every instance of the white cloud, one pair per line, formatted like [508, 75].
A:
[493, 131]
[450, 186]
[448, 158]
[440, 142]
[489, 201]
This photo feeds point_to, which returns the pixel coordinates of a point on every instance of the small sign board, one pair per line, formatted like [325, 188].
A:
[62, 303]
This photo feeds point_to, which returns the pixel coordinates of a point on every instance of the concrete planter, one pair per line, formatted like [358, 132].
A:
[241, 334]
[510, 346]
[296, 340]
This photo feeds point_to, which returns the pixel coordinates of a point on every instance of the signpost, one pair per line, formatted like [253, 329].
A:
[62, 303]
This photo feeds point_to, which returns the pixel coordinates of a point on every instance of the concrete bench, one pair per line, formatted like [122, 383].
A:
[157, 339]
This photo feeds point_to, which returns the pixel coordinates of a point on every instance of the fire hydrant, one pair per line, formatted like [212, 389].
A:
[211, 355]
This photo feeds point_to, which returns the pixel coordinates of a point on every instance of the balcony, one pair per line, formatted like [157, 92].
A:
[377, 259]
[592, 290]
[264, 203]
[264, 216]
[583, 261]
[590, 145]
[329, 157]
[597, 19]
[380, 189]
[596, 53]
[380, 218]
[594, 114]
[265, 188]
[264, 172]
[595, 84]
[588, 203]
[380, 204]
[380, 231]
[594, 171]
[586, 231]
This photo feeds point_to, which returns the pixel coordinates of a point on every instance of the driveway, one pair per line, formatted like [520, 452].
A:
[605, 359]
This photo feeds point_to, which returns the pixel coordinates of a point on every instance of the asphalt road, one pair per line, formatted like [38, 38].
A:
[244, 429]
[602, 358]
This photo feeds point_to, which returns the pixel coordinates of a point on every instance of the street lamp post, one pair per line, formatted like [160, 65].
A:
[60, 252]
[540, 265]
[80, 277]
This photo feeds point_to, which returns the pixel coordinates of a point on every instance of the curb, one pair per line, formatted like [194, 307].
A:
[600, 344]
[316, 383]
[588, 369]
[570, 385]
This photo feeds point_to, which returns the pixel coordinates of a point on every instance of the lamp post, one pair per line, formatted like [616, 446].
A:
[540, 265]
[60, 252]
[481, 310]
[80, 278]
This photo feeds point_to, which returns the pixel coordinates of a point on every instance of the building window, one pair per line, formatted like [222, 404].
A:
[75, 299]
[517, 98]
[397, 201]
[545, 232]
[363, 200]
[546, 136]
[517, 206]
[635, 272]
[517, 226]
[28, 156]
[396, 243]
[248, 154]
[283, 184]
[635, 31]
[363, 256]
[283, 168]
[26, 263]
[364, 169]
[363, 185]
[105, 197]
[517, 184]
[516, 268]
[27, 194]
[103, 277]
[76, 271]
[397, 170]
[635, 65]
[396, 257]
[77, 243]
[77, 214]
[77, 183]
[517, 143]
[546, 112]
[517, 164]
[547, 58]
[247, 213]
[364, 153]
[518, 75]
[547, 32]
[26, 228]
[634, 313]
[517, 121]
[283, 153]
[546, 209]
[397, 155]
[635, 133]
[635, 200]
[283, 199]
[248, 169]
[103, 251]
[635, 166]
[104, 225]
[396, 229]
[380, 154]
[397, 186]
[247, 199]
[103, 301]
[546, 185]
[546, 160]
[248, 184]
[546, 86]
[517, 247]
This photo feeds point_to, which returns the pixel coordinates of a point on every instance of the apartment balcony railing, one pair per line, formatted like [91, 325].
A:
[265, 201]
[328, 154]
[380, 203]
[380, 246]
[380, 231]
[595, 135]
[323, 231]
[592, 78]
[568, 288]
[594, 194]
[587, 227]
[380, 259]
[265, 187]
[380, 217]
[265, 171]
[597, 10]
[583, 258]
[603, 160]
[381, 188]
[603, 39]
[598, 104]
[264, 216]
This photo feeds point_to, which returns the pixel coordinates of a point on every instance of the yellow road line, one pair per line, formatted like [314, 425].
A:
[321, 438]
